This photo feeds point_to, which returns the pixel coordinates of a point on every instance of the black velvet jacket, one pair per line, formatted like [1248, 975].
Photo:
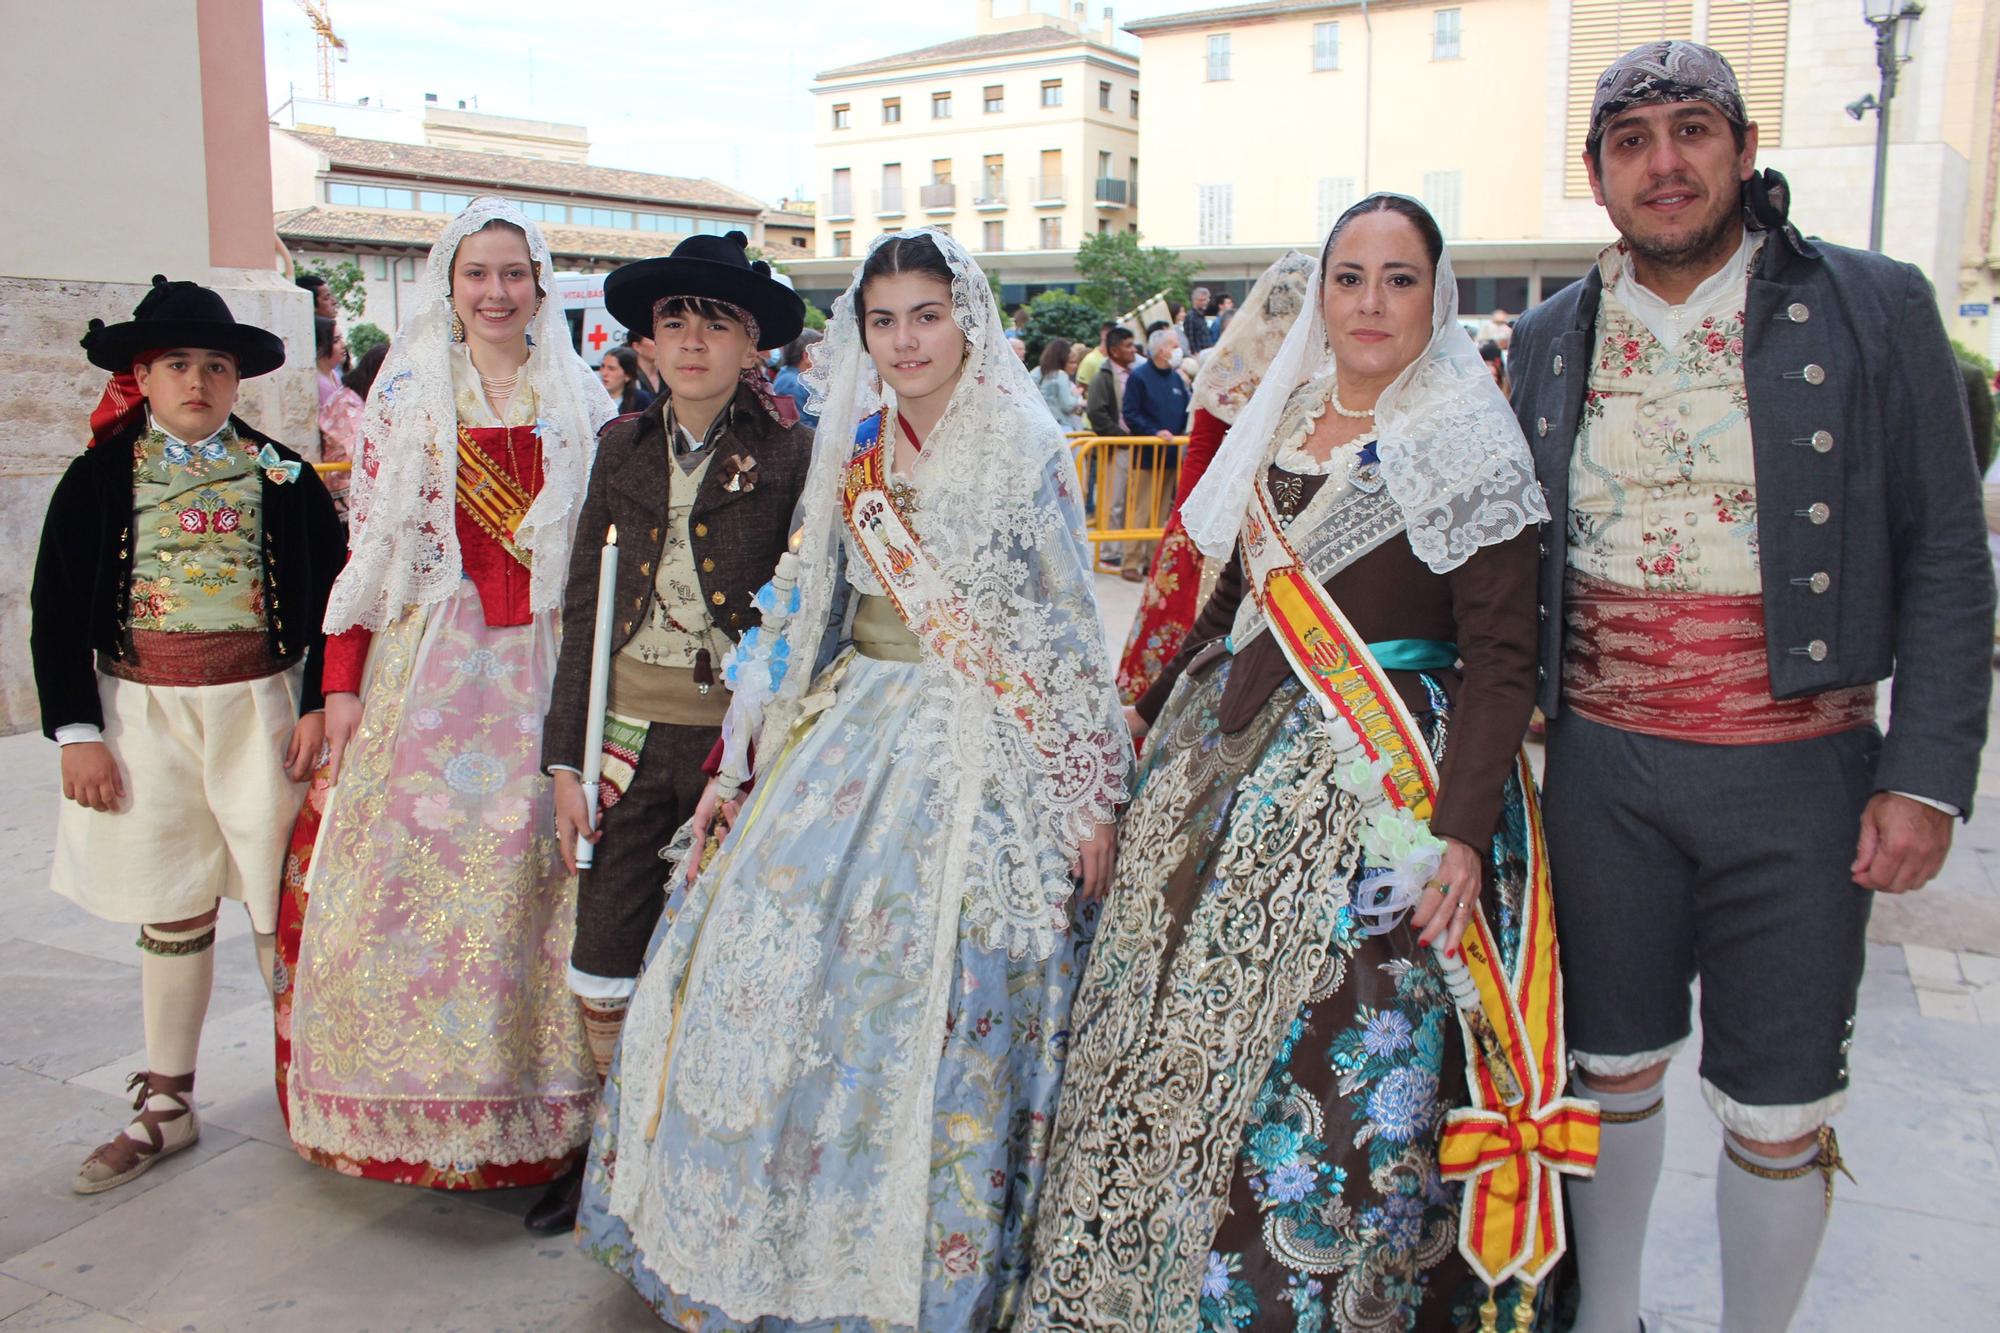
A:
[82, 596]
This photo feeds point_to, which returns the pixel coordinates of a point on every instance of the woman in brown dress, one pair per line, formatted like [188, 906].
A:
[1264, 1049]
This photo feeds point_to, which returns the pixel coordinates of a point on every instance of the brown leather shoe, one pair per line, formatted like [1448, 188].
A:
[126, 1158]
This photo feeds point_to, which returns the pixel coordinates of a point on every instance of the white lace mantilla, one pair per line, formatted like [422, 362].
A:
[1452, 454]
[998, 507]
[402, 533]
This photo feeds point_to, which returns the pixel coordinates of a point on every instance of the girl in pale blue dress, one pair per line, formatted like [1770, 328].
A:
[831, 1104]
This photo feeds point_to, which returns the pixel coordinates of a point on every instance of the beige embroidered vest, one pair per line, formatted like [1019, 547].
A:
[1662, 483]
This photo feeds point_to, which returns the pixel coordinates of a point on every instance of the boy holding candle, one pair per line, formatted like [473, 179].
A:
[701, 487]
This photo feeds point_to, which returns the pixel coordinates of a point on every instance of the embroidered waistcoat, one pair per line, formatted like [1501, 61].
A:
[1663, 487]
[677, 624]
[198, 562]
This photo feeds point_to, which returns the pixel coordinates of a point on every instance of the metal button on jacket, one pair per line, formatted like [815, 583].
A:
[701, 529]
[1816, 650]
[1819, 513]
[1814, 374]
[717, 598]
[707, 565]
[1822, 441]
[1541, 425]
[1820, 581]
[1559, 363]
[1797, 312]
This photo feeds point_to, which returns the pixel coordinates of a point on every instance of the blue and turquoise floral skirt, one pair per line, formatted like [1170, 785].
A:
[1248, 1132]
[843, 839]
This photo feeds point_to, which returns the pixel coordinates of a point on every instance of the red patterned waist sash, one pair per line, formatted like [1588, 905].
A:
[1689, 666]
[221, 657]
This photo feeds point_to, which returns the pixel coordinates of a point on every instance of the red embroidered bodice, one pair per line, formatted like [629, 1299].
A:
[501, 580]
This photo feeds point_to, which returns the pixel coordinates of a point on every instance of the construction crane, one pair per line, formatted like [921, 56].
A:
[329, 42]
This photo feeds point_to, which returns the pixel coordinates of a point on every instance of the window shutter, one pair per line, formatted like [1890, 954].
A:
[1751, 35]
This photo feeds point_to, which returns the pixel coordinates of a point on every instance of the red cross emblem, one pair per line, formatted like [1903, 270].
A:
[598, 337]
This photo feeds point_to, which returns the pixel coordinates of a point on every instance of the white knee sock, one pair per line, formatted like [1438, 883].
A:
[1608, 1211]
[176, 972]
[1772, 1212]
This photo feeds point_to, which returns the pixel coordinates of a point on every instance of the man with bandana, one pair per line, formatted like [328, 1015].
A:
[1760, 455]
[701, 486]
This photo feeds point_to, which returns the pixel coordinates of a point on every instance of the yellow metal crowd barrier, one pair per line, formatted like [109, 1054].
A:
[1131, 480]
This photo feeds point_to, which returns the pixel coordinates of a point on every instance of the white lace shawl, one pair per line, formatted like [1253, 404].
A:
[1452, 454]
[1231, 370]
[402, 537]
[999, 513]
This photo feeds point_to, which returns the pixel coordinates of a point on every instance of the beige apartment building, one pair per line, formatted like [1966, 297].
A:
[1264, 121]
[1023, 137]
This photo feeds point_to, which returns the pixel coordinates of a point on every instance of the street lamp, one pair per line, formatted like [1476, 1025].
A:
[1895, 25]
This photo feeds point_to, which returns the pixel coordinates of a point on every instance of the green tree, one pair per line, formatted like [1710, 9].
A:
[1060, 315]
[362, 338]
[815, 317]
[1119, 274]
[350, 289]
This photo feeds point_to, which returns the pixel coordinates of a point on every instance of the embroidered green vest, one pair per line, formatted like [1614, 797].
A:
[198, 565]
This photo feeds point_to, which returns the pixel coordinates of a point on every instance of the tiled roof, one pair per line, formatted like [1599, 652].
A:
[504, 171]
[321, 225]
[985, 44]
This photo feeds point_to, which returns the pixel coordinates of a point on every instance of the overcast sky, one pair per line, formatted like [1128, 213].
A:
[683, 87]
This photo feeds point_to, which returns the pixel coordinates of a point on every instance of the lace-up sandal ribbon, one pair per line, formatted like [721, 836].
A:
[125, 1158]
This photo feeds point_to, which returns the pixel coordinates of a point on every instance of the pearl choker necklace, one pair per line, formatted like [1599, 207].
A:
[1344, 410]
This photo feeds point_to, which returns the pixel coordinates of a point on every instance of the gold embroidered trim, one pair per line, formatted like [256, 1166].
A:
[1825, 1161]
[176, 948]
[1631, 1117]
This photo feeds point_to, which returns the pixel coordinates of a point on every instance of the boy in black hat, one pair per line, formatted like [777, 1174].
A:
[191, 556]
[701, 486]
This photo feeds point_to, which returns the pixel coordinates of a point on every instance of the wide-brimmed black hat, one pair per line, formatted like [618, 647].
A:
[183, 314]
[716, 268]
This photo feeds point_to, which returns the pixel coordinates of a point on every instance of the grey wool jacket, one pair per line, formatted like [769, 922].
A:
[1871, 533]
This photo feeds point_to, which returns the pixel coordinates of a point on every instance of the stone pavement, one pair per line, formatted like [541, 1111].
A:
[239, 1233]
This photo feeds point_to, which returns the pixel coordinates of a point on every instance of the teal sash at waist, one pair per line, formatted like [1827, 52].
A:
[1414, 654]
[1402, 654]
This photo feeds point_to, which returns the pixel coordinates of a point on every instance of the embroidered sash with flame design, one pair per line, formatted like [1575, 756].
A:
[926, 601]
[1506, 1148]
[495, 500]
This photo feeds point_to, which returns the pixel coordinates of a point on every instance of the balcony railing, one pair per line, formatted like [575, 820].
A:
[941, 196]
[992, 193]
[1114, 193]
[1048, 189]
[889, 202]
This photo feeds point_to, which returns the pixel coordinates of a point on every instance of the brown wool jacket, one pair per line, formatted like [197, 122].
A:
[1486, 606]
[737, 538]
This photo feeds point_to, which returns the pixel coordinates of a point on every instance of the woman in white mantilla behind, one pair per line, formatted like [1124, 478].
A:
[833, 1095]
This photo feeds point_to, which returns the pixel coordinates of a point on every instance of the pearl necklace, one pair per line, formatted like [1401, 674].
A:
[1342, 409]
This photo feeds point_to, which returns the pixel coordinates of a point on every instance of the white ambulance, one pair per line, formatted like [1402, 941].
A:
[592, 331]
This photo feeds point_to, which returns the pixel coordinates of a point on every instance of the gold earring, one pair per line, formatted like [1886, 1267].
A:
[457, 328]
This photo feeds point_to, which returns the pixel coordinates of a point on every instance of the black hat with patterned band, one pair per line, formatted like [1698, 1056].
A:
[182, 314]
[712, 268]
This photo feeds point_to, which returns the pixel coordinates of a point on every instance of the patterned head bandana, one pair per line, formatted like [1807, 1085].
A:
[1665, 72]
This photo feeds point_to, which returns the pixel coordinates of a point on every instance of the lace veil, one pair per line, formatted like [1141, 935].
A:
[403, 540]
[1231, 370]
[999, 513]
[1452, 454]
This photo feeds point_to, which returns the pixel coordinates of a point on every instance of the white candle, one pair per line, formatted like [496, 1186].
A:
[600, 688]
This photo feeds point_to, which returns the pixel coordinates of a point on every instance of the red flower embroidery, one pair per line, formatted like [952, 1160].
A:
[227, 520]
[193, 520]
[1631, 349]
[958, 1254]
